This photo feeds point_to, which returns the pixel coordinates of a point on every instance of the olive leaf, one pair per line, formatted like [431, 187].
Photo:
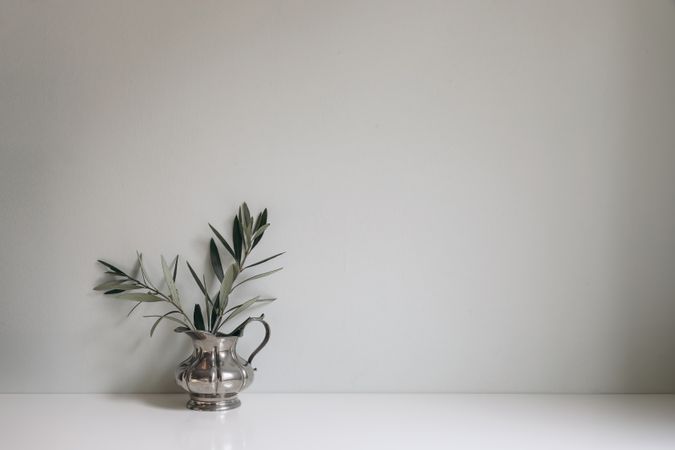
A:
[138, 297]
[165, 316]
[259, 232]
[198, 318]
[215, 312]
[175, 268]
[235, 311]
[120, 289]
[263, 221]
[259, 300]
[170, 283]
[108, 285]
[245, 215]
[264, 260]
[134, 308]
[237, 239]
[226, 286]
[112, 268]
[223, 241]
[215, 260]
[255, 277]
[207, 300]
[144, 274]
[194, 275]
[258, 221]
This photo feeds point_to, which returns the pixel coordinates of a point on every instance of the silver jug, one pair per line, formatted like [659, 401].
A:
[214, 374]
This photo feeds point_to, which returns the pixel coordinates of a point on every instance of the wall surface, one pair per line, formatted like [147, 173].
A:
[474, 196]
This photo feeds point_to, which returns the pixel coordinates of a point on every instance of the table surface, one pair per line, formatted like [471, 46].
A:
[339, 421]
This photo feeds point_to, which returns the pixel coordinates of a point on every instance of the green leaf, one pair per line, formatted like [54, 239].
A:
[243, 307]
[134, 308]
[116, 284]
[223, 241]
[114, 273]
[215, 312]
[197, 280]
[260, 275]
[165, 316]
[198, 318]
[259, 232]
[226, 286]
[173, 292]
[260, 300]
[264, 260]
[215, 260]
[138, 297]
[113, 291]
[207, 302]
[258, 222]
[206, 293]
[247, 222]
[113, 268]
[237, 239]
[238, 310]
[144, 274]
[175, 268]
[246, 232]
[263, 221]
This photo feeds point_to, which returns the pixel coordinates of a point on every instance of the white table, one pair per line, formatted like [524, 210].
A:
[339, 421]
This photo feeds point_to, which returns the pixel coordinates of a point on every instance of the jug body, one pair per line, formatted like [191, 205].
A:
[214, 373]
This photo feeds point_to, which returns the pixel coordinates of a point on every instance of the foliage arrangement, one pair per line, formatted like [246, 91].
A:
[246, 235]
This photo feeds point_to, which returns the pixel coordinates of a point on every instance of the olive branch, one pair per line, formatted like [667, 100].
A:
[246, 235]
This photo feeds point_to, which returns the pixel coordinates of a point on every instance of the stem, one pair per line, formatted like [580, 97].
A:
[248, 248]
[220, 322]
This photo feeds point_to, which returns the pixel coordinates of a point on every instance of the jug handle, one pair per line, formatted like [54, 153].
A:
[265, 339]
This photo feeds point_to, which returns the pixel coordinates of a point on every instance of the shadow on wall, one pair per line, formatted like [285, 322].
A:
[643, 203]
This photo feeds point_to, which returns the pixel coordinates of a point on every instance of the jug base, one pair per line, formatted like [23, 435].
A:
[199, 403]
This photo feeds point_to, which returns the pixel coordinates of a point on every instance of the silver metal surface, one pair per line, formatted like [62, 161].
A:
[214, 374]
